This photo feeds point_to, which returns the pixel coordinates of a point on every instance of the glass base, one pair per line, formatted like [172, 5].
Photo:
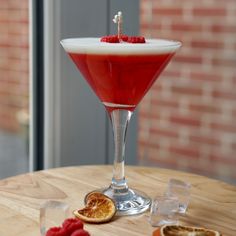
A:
[128, 201]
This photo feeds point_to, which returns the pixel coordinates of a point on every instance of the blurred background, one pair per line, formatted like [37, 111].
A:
[14, 86]
[186, 121]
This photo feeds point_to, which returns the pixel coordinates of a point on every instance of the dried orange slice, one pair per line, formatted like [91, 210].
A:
[93, 195]
[177, 230]
[99, 209]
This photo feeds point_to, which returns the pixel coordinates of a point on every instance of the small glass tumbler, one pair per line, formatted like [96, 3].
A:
[164, 211]
[181, 190]
[52, 214]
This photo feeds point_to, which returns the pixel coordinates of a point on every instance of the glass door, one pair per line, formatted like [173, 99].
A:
[77, 129]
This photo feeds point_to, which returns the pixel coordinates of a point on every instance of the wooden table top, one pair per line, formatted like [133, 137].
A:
[213, 203]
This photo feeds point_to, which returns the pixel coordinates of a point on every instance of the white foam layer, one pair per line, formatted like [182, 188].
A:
[94, 46]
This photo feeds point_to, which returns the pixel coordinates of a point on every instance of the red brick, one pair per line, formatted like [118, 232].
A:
[22, 4]
[224, 62]
[186, 90]
[188, 59]
[4, 16]
[18, 102]
[184, 120]
[149, 144]
[4, 86]
[206, 44]
[224, 127]
[171, 73]
[157, 86]
[18, 89]
[4, 97]
[153, 26]
[3, 28]
[164, 102]
[8, 120]
[18, 16]
[223, 28]
[19, 65]
[190, 152]
[18, 78]
[234, 113]
[222, 158]
[233, 146]
[4, 4]
[224, 94]
[18, 54]
[18, 28]
[209, 12]
[205, 108]
[169, 133]
[168, 162]
[172, 11]
[14, 61]
[186, 27]
[144, 114]
[206, 76]
[204, 139]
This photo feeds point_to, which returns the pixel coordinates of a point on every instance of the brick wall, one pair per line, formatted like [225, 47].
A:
[14, 62]
[187, 122]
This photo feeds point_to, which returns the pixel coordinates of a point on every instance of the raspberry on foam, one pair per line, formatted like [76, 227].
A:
[136, 39]
[110, 39]
[118, 19]
[124, 38]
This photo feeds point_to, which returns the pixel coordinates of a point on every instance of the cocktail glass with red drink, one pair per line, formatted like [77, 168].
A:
[121, 74]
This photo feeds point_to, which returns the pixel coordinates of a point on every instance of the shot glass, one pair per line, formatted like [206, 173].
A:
[181, 190]
[52, 213]
[164, 211]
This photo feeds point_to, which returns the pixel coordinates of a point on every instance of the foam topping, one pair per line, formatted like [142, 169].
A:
[94, 46]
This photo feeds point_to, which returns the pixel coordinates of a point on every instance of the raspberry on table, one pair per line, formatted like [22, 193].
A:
[80, 232]
[72, 224]
[56, 231]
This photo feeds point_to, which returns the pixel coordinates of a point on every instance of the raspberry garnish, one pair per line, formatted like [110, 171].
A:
[124, 38]
[136, 39]
[72, 224]
[118, 19]
[56, 231]
[80, 232]
[110, 39]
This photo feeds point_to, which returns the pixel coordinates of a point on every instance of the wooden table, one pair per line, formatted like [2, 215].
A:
[213, 203]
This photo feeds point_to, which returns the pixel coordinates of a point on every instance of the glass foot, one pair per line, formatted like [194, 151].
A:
[128, 201]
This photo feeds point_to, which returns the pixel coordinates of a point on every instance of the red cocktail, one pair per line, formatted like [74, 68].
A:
[120, 81]
[121, 74]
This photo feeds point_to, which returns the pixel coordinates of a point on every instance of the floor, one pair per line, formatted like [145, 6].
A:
[13, 154]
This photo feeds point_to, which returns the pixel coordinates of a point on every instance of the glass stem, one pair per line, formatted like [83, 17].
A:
[120, 120]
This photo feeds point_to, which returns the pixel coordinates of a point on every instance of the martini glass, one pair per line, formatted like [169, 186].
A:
[121, 74]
